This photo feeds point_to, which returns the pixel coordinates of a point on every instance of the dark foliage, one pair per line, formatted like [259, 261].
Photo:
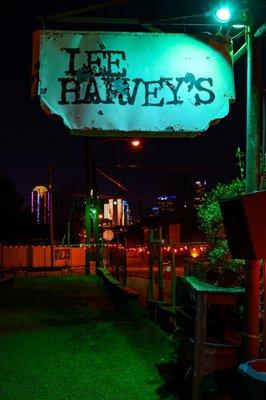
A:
[14, 217]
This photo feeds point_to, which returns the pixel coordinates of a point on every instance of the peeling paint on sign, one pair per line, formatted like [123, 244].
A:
[151, 83]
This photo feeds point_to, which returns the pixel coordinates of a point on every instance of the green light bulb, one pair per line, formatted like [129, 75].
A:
[223, 14]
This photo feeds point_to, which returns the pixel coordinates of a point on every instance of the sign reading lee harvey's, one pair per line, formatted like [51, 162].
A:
[114, 83]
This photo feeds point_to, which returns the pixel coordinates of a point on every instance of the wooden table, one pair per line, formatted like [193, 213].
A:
[209, 354]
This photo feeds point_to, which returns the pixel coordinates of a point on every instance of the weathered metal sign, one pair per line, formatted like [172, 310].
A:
[123, 84]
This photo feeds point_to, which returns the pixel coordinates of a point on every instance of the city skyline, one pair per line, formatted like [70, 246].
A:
[31, 140]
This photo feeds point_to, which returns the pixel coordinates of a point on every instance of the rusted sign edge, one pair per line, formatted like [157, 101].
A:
[130, 134]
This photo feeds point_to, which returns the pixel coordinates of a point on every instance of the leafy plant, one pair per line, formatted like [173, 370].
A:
[211, 223]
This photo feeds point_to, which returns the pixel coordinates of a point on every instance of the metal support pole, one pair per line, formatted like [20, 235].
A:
[173, 277]
[262, 184]
[150, 283]
[264, 308]
[96, 210]
[253, 141]
[125, 261]
[51, 215]
[68, 232]
[69, 225]
[263, 150]
[87, 205]
[160, 267]
[254, 111]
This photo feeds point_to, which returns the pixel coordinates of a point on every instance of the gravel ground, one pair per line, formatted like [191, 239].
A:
[63, 338]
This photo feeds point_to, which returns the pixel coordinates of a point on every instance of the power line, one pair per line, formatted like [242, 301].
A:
[163, 167]
[113, 180]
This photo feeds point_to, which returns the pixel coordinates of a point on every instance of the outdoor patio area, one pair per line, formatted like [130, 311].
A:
[63, 338]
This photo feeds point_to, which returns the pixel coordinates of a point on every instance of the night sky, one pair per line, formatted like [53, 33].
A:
[31, 140]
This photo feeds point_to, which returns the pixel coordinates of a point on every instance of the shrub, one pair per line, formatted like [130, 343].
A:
[211, 223]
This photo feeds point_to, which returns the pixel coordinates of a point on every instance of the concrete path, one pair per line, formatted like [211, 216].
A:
[63, 338]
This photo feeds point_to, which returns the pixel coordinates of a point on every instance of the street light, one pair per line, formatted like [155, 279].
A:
[91, 199]
[132, 142]
[222, 14]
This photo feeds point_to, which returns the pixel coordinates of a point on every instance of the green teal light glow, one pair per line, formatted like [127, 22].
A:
[223, 14]
[191, 76]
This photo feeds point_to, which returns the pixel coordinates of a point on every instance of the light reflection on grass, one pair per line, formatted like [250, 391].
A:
[62, 338]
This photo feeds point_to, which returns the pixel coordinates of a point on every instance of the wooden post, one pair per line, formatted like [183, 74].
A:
[30, 256]
[200, 339]
[250, 334]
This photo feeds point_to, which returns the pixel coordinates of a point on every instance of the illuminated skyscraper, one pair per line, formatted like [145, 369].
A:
[117, 212]
[167, 204]
[40, 200]
[199, 191]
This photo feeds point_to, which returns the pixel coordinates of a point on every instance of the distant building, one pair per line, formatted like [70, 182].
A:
[155, 211]
[166, 204]
[116, 213]
[40, 201]
[199, 191]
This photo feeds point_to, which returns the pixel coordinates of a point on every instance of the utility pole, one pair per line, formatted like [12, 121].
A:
[95, 215]
[160, 266]
[51, 215]
[87, 205]
[253, 142]
[91, 209]
[151, 258]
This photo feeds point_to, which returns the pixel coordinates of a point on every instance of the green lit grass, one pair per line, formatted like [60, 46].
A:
[62, 338]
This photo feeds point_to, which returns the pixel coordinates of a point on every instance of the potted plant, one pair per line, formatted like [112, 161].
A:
[222, 268]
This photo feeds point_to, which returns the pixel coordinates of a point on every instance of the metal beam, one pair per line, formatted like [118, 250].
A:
[260, 31]
[90, 20]
[240, 52]
[90, 8]
[151, 28]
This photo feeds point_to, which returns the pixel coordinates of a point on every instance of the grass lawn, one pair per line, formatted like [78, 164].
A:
[62, 338]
